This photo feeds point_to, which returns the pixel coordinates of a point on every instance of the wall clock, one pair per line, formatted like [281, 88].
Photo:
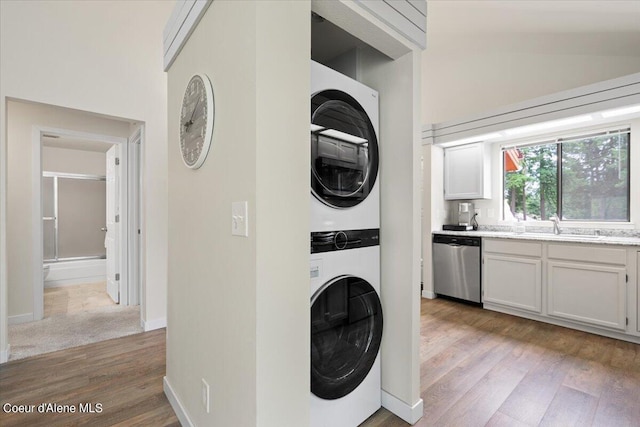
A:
[196, 121]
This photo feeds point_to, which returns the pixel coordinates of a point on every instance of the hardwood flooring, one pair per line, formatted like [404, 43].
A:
[74, 298]
[124, 375]
[482, 368]
[479, 368]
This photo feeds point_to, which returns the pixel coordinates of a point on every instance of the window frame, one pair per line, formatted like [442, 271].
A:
[559, 140]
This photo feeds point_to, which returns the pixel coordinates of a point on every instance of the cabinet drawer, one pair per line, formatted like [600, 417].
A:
[512, 247]
[587, 253]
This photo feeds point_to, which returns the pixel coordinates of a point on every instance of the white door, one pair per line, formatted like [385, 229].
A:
[112, 238]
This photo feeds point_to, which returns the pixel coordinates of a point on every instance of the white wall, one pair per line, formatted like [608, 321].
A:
[398, 84]
[56, 159]
[238, 308]
[461, 83]
[21, 119]
[104, 57]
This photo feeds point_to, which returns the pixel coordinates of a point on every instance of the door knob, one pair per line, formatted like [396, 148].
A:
[104, 229]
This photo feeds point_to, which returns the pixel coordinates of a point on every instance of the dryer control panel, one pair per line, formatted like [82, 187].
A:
[328, 241]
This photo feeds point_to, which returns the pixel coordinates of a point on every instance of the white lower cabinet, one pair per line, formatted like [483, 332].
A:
[587, 293]
[581, 285]
[514, 282]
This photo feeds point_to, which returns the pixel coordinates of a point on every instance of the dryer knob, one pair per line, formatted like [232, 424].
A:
[340, 240]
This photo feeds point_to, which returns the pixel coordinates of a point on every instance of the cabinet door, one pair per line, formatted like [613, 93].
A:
[588, 293]
[514, 282]
[464, 172]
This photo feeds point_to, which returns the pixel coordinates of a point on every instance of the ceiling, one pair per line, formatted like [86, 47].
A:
[533, 16]
[606, 27]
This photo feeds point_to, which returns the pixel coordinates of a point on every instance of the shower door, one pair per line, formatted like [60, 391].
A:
[73, 207]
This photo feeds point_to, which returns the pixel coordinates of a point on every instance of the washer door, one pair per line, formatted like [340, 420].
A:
[346, 330]
[344, 150]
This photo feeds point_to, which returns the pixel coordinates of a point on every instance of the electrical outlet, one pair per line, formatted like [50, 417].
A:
[477, 212]
[205, 396]
[491, 213]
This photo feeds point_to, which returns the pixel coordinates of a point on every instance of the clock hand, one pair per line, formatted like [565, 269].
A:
[188, 123]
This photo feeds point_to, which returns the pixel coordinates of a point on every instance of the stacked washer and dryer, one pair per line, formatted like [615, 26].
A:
[346, 313]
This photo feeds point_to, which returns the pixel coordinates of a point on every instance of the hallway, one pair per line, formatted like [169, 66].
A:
[73, 316]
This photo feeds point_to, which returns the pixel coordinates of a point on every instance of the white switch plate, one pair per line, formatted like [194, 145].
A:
[491, 213]
[205, 395]
[239, 219]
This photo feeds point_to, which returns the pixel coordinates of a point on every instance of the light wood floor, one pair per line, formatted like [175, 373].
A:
[478, 368]
[482, 368]
[124, 375]
[74, 298]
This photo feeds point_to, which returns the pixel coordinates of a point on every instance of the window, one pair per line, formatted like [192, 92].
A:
[584, 178]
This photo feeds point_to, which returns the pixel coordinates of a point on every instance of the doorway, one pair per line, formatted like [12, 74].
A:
[28, 125]
[85, 241]
[121, 249]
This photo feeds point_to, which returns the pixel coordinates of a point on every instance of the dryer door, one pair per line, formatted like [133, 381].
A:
[346, 330]
[344, 150]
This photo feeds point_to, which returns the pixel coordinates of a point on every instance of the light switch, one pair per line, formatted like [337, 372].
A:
[239, 219]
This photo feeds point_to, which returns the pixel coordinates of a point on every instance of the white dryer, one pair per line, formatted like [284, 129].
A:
[346, 327]
[345, 193]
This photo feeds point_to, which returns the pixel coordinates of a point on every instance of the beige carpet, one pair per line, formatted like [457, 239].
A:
[61, 331]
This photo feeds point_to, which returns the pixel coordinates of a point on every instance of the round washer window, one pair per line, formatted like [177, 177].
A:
[346, 331]
[344, 150]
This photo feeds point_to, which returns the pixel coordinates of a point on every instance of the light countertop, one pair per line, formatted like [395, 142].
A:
[547, 237]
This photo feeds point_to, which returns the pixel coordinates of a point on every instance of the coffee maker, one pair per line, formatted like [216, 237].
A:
[465, 213]
[466, 218]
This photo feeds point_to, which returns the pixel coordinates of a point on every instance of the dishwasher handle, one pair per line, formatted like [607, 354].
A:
[456, 240]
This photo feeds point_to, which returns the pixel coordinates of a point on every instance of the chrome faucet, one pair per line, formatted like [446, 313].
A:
[556, 225]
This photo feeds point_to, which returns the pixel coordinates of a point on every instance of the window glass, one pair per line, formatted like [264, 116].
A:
[595, 178]
[589, 183]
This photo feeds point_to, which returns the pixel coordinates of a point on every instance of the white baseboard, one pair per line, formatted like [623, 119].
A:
[177, 406]
[75, 281]
[428, 294]
[154, 324]
[21, 318]
[4, 354]
[410, 414]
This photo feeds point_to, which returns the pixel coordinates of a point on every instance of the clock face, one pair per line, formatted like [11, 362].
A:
[196, 121]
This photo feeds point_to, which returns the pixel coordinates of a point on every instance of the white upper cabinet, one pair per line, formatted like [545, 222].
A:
[467, 172]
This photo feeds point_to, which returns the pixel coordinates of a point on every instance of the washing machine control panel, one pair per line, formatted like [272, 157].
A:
[328, 241]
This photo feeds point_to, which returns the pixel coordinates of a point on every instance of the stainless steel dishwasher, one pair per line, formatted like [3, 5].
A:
[456, 267]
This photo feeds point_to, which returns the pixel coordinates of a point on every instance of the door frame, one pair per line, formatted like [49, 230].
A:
[129, 253]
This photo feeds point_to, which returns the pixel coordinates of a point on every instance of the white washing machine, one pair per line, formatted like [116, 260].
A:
[346, 327]
[345, 194]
